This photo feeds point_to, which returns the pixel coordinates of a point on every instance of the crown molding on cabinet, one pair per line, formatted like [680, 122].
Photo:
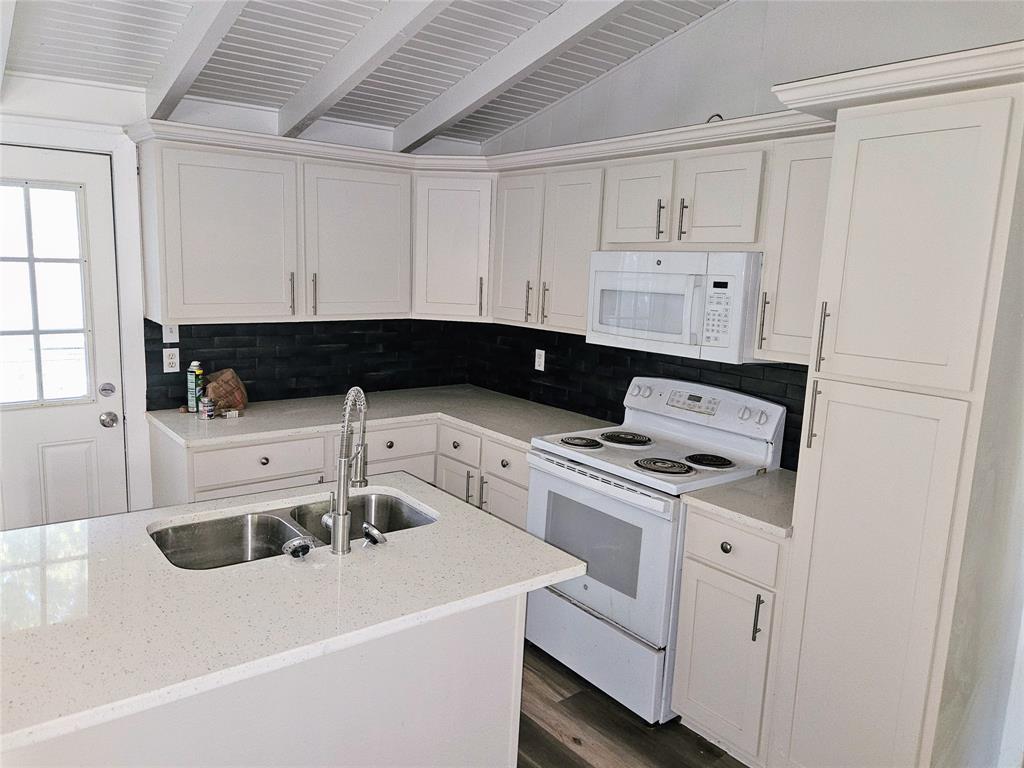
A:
[974, 68]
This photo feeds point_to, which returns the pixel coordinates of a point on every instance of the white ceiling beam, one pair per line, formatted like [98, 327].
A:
[530, 51]
[204, 28]
[385, 33]
[6, 25]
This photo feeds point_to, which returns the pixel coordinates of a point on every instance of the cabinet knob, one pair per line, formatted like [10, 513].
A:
[455, 444]
[504, 463]
[389, 444]
[264, 460]
[726, 547]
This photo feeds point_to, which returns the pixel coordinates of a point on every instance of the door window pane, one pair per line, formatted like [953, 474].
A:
[15, 297]
[17, 369]
[59, 288]
[63, 364]
[54, 223]
[12, 223]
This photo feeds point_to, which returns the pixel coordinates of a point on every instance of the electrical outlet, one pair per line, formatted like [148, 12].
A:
[538, 359]
[172, 362]
[170, 334]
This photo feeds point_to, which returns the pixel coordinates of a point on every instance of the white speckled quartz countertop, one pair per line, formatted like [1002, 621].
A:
[501, 415]
[118, 629]
[762, 502]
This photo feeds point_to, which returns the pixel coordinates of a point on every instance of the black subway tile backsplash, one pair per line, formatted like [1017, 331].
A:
[284, 360]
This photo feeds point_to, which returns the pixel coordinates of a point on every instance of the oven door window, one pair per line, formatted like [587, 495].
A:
[609, 546]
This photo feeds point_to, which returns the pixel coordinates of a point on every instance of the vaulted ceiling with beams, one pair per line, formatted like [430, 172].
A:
[457, 69]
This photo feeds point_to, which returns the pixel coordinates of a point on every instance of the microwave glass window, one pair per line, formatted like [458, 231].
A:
[609, 546]
[643, 310]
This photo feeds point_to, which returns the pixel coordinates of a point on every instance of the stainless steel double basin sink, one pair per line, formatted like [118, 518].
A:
[243, 538]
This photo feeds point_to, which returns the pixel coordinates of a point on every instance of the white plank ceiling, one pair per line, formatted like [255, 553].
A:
[275, 47]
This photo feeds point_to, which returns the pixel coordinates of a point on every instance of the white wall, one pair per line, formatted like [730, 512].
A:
[728, 61]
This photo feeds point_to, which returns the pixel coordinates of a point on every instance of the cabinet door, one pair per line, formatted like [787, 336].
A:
[908, 240]
[230, 238]
[794, 229]
[358, 257]
[453, 230]
[718, 197]
[418, 466]
[722, 660]
[636, 203]
[874, 502]
[458, 479]
[572, 231]
[517, 242]
[504, 500]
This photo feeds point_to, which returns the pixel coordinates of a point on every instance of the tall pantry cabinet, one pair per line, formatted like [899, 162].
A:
[917, 233]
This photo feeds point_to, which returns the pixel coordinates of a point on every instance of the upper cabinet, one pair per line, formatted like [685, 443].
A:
[222, 239]
[636, 201]
[517, 247]
[912, 207]
[718, 197]
[452, 245]
[794, 228]
[357, 249]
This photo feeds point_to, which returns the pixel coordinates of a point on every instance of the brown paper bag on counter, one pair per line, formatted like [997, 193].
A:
[226, 390]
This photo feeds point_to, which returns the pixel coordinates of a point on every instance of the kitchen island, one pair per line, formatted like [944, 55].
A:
[406, 653]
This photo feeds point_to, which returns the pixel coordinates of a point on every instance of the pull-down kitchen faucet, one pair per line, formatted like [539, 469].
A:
[351, 472]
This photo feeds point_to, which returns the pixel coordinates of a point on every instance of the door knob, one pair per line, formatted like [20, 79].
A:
[109, 419]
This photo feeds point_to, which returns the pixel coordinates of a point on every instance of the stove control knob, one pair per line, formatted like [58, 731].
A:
[646, 392]
[745, 413]
[635, 392]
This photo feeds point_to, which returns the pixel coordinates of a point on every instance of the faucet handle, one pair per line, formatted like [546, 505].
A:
[372, 535]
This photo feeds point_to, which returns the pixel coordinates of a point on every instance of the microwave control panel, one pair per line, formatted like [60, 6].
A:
[718, 311]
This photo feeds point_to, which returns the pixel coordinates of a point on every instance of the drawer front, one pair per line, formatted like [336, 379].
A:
[748, 555]
[295, 481]
[418, 466]
[257, 463]
[505, 462]
[460, 445]
[399, 442]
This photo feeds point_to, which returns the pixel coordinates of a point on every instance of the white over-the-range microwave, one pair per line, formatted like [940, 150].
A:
[692, 304]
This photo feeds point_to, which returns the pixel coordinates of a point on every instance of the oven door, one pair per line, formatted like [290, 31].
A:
[627, 538]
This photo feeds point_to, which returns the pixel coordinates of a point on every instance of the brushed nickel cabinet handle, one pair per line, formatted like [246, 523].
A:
[469, 481]
[480, 299]
[264, 460]
[758, 602]
[682, 211]
[504, 463]
[389, 444]
[526, 306]
[821, 336]
[811, 434]
[291, 290]
[315, 296]
[480, 492]
[764, 307]
[658, 231]
[455, 444]
[544, 302]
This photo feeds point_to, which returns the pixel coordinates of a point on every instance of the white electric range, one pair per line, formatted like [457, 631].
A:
[611, 497]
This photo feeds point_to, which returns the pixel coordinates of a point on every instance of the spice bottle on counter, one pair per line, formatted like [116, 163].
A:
[194, 377]
[207, 409]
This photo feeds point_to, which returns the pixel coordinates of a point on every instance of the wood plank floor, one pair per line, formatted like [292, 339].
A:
[568, 723]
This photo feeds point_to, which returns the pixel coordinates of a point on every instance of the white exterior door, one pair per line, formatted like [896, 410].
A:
[60, 361]
[636, 203]
[718, 197]
[722, 663]
[572, 231]
[794, 230]
[357, 253]
[908, 240]
[517, 243]
[874, 503]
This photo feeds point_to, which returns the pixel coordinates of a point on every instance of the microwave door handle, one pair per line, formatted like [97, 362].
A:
[697, 298]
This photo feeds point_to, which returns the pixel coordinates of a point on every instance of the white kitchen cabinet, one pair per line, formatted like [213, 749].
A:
[909, 237]
[871, 532]
[223, 226]
[717, 198]
[458, 479]
[794, 230]
[504, 500]
[357, 241]
[517, 247]
[418, 466]
[451, 246]
[572, 230]
[637, 199]
[721, 666]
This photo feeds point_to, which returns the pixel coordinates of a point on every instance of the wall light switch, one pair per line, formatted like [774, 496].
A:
[172, 362]
[170, 334]
[538, 359]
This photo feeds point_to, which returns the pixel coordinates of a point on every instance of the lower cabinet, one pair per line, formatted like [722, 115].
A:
[458, 479]
[505, 500]
[488, 474]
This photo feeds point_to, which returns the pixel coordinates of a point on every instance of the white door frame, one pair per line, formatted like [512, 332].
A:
[111, 140]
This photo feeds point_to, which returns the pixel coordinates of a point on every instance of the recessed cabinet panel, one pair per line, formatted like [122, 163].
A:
[572, 231]
[505, 501]
[458, 479]
[636, 203]
[908, 240]
[230, 239]
[357, 241]
[794, 230]
[718, 197]
[517, 247]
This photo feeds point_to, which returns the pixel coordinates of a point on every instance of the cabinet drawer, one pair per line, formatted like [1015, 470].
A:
[418, 466]
[461, 445]
[748, 555]
[399, 442]
[256, 463]
[505, 462]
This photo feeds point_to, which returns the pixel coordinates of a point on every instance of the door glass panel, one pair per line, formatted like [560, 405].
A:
[63, 365]
[610, 546]
[17, 369]
[54, 223]
[15, 297]
[12, 222]
[59, 288]
[643, 311]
